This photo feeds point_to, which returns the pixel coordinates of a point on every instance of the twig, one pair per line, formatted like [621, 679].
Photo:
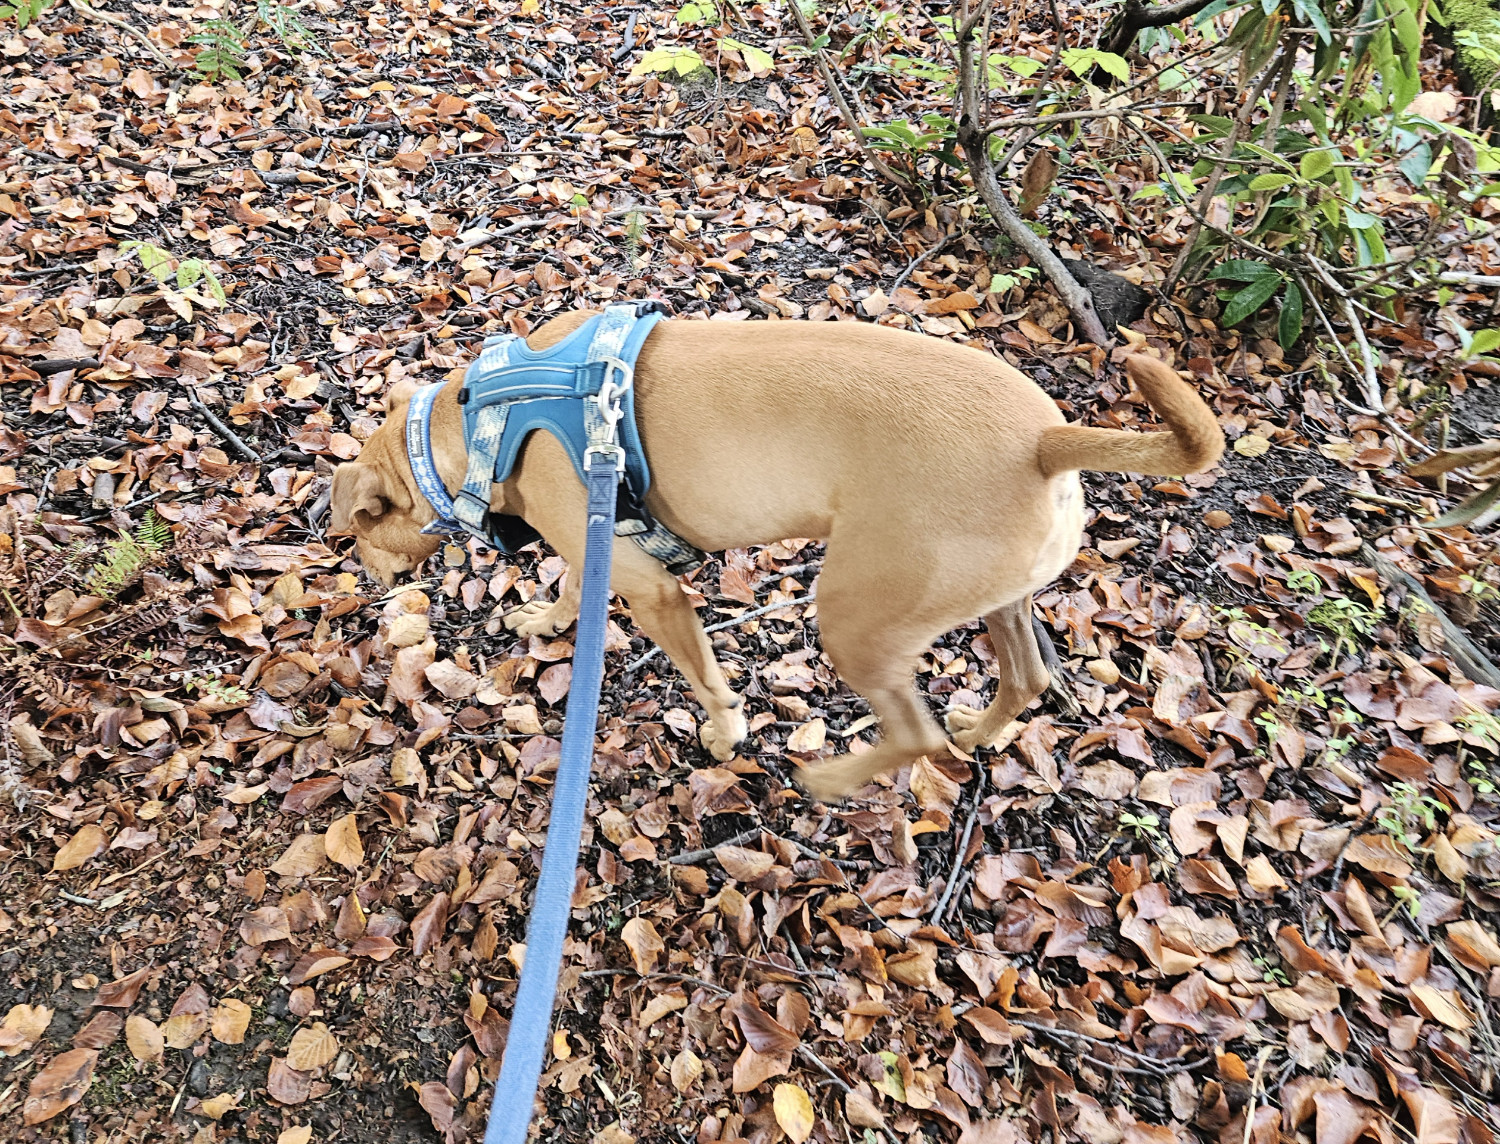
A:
[881, 167]
[1476, 665]
[740, 619]
[917, 261]
[812, 1058]
[693, 857]
[1211, 188]
[1260, 1072]
[115, 22]
[1113, 1046]
[1371, 379]
[963, 848]
[231, 438]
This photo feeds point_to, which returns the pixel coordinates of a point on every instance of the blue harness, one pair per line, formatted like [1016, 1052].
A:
[580, 391]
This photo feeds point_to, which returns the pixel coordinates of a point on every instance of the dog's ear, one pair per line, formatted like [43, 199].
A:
[399, 397]
[356, 488]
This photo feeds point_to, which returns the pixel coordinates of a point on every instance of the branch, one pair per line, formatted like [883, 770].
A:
[1211, 188]
[115, 22]
[881, 167]
[1135, 17]
[1475, 664]
[975, 143]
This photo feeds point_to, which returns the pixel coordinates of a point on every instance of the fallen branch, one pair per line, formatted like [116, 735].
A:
[1135, 17]
[740, 619]
[1475, 664]
[851, 121]
[230, 437]
[89, 13]
[693, 857]
[917, 261]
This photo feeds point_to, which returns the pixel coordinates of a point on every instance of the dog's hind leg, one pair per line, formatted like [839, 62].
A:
[1020, 677]
[874, 638]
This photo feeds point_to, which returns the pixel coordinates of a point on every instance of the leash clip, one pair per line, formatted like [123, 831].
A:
[614, 454]
[619, 376]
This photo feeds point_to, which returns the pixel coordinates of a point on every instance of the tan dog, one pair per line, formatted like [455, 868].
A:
[943, 480]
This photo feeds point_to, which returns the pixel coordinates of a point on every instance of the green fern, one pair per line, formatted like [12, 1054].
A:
[126, 557]
[222, 54]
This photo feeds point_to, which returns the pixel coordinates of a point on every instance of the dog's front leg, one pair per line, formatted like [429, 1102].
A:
[539, 618]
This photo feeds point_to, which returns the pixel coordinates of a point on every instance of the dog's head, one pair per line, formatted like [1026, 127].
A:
[373, 499]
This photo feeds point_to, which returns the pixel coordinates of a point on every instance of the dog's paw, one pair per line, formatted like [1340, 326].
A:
[832, 781]
[538, 618]
[964, 725]
[721, 736]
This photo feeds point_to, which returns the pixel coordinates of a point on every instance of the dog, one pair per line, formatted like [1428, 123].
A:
[944, 481]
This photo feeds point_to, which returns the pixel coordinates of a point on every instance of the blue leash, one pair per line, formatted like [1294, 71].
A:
[531, 1020]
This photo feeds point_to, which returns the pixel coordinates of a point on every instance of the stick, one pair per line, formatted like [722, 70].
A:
[917, 261]
[231, 438]
[1475, 664]
[851, 121]
[115, 22]
[963, 848]
[805, 1052]
[1211, 188]
[693, 857]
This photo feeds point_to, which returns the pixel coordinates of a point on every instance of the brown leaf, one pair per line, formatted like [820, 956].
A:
[686, 1069]
[1036, 181]
[60, 1085]
[23, 1028]
[763, 1032]
[230, 1019]
[305, 856]
[121, 994]
[306, 796]
[286, 1085]
[439, 1103]
[342, 844]
[311, 1048]
[1442, 1005]
[102, 1030]
[1432, 1114]
[1200, 876]
[743, 864]
[144, 1039]
[89, 842]
[1313, 994]
[267, 924]
[427, 927]
[490, 1031]
[752, 1069]
[316, 962]
[641, 938]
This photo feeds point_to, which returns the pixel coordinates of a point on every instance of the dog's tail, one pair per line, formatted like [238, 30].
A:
[1193, 442]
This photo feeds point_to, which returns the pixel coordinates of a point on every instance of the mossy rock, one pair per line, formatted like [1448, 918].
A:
[1476, 73]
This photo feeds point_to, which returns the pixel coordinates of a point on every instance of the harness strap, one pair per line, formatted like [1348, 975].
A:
[531, 1019]
[419, 453]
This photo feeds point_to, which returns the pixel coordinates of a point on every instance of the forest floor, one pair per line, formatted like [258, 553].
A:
[267, 832]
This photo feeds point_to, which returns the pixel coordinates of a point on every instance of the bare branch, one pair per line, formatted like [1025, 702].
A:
[880, 166]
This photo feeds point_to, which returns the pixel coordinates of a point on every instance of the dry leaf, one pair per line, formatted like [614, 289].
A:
[216, 1106]
[60, 1085]
[89, 842]
[23, 1028]
[641, 938]
[303, 857]
[794, 1112]
[686, 1069]
[342, 844]
[311, 1048]
[230, 1019]
[144, 1039]
[299, 1134]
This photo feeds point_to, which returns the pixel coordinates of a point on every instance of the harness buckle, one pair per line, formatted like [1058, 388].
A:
[613, 452]
[619, 376]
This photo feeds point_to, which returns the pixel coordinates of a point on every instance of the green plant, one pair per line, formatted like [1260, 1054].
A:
[287, 26]
[1409, 816]
[1482, 779]
[635, 228]
[1273, 974]
[1348, 620]
[187, 273]
[674, 59]
[1145, 825]
[125, 557]
[697, 12]
[221, 54]
[216, 688]
[1408, 897]
[1482, 725]
[912, 144]
[24, 11]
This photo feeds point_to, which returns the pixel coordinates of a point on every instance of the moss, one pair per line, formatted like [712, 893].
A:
[1479, 19]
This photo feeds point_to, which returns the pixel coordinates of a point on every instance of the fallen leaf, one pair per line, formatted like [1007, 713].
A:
[23, 1027]
[144, 1039]
[61, 1084]
[641, 938]
[311, 1048]
[342, 844]
[794, 1111]
[230, 1019]
[89, 842]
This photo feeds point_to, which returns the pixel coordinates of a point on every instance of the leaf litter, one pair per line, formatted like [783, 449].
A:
[269, 832]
